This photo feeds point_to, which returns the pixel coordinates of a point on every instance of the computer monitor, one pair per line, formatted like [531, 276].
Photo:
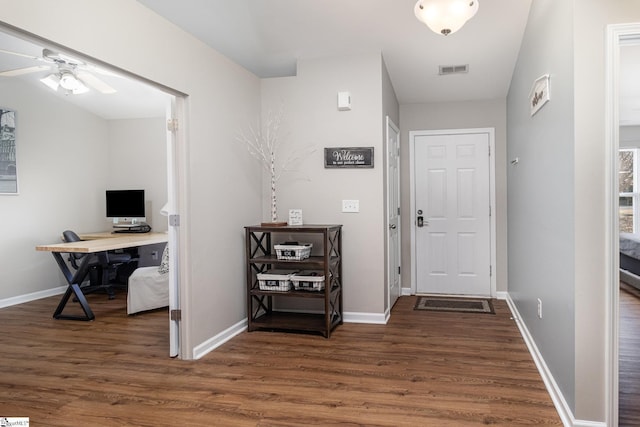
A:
[125, 205]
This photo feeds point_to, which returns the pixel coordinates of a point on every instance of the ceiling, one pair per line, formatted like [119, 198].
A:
[133, 99]
[267, 37]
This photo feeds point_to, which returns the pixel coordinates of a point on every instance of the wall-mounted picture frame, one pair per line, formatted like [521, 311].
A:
[348, 157]
[540, 94]
[8, 165]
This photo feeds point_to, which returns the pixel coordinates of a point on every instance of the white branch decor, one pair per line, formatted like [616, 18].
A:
[263, 144]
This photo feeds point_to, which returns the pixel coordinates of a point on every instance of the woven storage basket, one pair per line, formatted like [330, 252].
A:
[275, 280]
[293, 252]
[308, 280]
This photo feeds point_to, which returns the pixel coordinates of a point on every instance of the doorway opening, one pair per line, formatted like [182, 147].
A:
[617, 36]
[41, 57]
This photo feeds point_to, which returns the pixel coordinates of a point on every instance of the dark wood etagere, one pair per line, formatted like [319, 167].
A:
[261, 257]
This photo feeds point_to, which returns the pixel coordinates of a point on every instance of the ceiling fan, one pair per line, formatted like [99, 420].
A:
[71, 74]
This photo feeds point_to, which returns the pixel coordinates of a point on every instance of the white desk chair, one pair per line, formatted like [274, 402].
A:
[149, 286]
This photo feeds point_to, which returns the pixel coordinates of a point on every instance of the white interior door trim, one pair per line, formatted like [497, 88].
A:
[617, 35]
[492, 195]
[391, 125]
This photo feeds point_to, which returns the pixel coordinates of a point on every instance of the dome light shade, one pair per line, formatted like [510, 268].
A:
[71, 83]
[445, 16]
[67, 81]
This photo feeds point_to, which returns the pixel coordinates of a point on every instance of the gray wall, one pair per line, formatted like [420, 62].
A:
[456, 115]
[557, 204]
[541, 189]
[629, 136]
[221, 188]
[312, 119]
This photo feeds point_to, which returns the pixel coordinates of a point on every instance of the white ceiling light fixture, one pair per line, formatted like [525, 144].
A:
[70, 82]
[445, 16]
[67, 80]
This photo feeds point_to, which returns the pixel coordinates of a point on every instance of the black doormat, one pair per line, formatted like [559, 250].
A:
[460, 305]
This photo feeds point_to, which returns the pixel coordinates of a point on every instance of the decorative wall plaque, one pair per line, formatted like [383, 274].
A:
[348, 157]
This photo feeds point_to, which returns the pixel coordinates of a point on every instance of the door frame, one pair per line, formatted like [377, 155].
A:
[389, 124]
[177, 159]
[617, 35]
[492, 197]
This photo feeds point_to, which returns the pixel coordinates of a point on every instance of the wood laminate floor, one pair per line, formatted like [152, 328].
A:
[421, 369]
[629, 357]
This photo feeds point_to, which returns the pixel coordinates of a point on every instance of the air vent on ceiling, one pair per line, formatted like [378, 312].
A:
[453, 69]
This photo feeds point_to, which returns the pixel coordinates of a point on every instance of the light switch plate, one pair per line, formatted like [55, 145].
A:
[351, 206]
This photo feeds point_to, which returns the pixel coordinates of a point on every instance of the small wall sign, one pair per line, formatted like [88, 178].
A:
[539, 94]
[295, 216]
[348, 157]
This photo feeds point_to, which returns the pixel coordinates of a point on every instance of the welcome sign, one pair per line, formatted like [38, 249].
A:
[348, 157]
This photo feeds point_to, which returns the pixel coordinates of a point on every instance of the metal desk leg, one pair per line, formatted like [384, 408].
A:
[73, 288]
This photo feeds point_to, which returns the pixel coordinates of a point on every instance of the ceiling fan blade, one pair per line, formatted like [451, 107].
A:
[96, 83]
[37, 58]
[19, 71]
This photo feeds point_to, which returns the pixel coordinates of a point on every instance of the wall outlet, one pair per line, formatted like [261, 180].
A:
[351, 206]
[539, 308]
[154, 255]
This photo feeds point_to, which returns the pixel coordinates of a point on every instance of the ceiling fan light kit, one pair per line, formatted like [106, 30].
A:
[445, 16]
[68, 73]
[67, 81]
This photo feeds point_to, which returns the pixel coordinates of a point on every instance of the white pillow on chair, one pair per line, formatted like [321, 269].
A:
[148, 290]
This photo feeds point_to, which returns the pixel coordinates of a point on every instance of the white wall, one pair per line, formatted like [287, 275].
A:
[137, 159]
[312, 119]
[591, 19]
[66, 161]
[221, 189]
[457, 115]
[60, 163]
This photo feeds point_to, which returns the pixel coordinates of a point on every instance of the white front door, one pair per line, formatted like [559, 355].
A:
[452, 203]
[393, 212]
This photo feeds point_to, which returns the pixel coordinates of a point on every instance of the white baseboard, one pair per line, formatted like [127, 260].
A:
[405, 292]
[216, 341]
[20, 299]
[560, 403]
[372, 318]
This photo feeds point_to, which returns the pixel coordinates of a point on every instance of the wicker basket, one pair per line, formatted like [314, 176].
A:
[293, 252]
[275, 280]
[308, 280]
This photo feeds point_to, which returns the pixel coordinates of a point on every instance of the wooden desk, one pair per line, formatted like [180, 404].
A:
[98, 246]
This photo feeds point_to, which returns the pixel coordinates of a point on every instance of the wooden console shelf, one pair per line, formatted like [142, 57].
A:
[260, 257]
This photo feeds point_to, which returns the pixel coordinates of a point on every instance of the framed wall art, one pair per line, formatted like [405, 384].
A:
[8, 166]
[539, 94]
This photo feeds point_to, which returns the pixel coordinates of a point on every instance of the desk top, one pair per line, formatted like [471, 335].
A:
[106, 242]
